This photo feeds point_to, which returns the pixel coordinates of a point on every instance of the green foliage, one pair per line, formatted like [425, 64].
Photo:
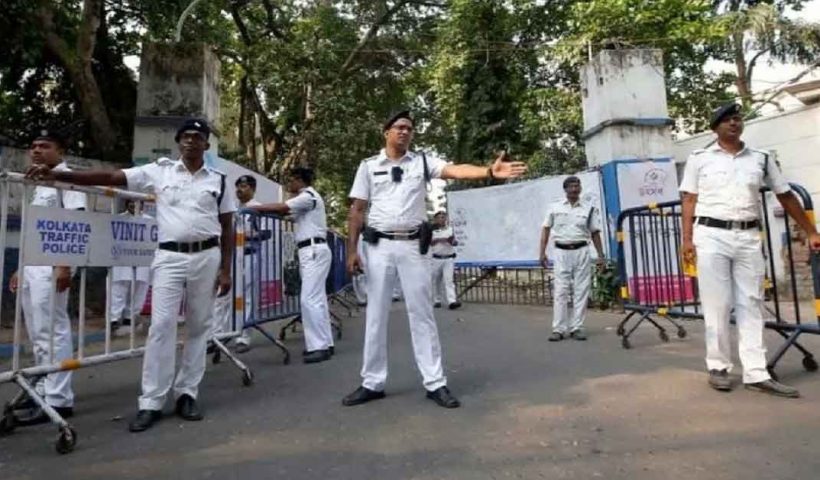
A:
[604, 286]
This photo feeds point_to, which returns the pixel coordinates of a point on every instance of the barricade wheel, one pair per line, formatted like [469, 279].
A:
[217, 357]
[664, 336]
[66, 440]
[681, 333]
[247, 378]
[7, 424]
[810, 364]
[625, 343]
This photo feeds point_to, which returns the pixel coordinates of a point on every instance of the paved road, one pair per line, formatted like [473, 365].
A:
[530, 410]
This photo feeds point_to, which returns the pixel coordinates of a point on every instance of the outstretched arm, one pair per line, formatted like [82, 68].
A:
[113, 178]
[499, 169]
[278, 208]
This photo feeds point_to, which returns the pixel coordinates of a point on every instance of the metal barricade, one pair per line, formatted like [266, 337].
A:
[655, 283]
[504, 284]
[261, 291]
[105, 240]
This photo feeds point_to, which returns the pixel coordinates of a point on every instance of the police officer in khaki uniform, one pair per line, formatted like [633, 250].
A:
[46, 153]
[572, 223]
[721, 233]
[195, 220]
[391, 188]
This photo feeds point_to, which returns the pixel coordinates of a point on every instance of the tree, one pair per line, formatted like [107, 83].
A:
[759, 29]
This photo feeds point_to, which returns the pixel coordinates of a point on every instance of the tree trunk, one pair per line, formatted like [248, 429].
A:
[77, 63]
[744, 89]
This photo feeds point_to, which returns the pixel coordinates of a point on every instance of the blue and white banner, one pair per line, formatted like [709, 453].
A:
[85, 239]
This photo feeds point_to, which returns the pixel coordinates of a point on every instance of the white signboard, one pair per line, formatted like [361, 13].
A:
[642, 183]
[85, 239]
[501, 225]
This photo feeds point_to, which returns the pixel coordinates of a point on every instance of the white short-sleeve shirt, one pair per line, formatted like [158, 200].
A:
[443, 248]
[570, 223]
[51, 197]
[188, 205]
[308, 211]
[728, 186]
[395, 206]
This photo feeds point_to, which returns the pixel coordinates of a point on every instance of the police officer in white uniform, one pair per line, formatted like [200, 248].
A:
[391, 187]
[121, 302]
[307, 209]
[721, 234]
[571, 222]
[195, 218]
[245, 191]
[443, 250]
[46, 152]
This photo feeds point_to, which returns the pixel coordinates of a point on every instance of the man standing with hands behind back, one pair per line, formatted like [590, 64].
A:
[721, 233]
[194, 217]
[391, 188]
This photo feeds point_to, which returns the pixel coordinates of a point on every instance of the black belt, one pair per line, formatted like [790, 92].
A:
[571, 246]
[413, 235]
[444, 257]
[728, 224]
[310, 241]
[190, 247]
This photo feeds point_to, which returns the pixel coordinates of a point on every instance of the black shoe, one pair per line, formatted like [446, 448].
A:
[454, 305]
[126, 322]
[316, 356]
[444, 398]
[144, 420]
[578, 335]
[556, 337]
[242, 348]
[332, 350]
[26, 404]
[188, 409]
[38, 416]
[362, 395]
[361, 304]
[773, 388]
[719, 380]
[115, 325]
[211, 348]
[437, 305]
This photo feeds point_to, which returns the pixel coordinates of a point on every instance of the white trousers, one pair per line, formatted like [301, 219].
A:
[731, 270]
[573, 279]
[121, 299]
[388, 262]
[443, 270]
[37, 290]
[223, 306]
[173, 273]
[360, 287]
[314, 266]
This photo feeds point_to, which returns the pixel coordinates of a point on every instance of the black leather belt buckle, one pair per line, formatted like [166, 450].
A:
[190, 247]
[411, 235]
[570, 246]
[310, 241]
[728, 224]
